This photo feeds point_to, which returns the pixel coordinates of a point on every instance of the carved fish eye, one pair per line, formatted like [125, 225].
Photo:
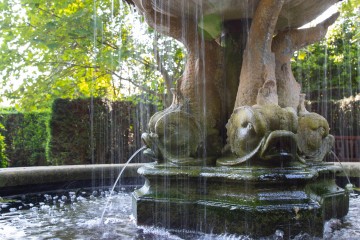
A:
[246, 124]
[321, 131]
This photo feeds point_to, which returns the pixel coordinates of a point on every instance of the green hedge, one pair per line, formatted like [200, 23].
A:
[70, 130]
[88, 131]
[3, 158]
[25, 136]
[343, 115]
[80, 131]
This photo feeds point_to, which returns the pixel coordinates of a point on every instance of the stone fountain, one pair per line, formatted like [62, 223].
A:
[237, 151]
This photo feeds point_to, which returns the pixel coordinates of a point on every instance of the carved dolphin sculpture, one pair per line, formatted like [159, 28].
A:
[174, 136]
[265, 132]
[253, 131]
[314, 140]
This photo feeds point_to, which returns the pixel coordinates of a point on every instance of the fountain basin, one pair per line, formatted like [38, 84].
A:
[80, 218]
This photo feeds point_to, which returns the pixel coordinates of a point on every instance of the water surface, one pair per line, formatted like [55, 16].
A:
[77, 215]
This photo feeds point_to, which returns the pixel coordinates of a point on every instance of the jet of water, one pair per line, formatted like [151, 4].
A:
[116, 181]
[349, 186]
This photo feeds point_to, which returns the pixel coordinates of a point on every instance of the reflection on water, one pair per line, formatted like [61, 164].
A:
[77, 216]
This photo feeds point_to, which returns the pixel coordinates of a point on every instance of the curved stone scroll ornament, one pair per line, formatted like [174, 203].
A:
[174, 136]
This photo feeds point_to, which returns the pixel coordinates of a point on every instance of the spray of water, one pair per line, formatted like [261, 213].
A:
[349, 186]
[116, 182]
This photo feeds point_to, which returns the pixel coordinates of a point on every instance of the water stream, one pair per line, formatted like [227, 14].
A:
[349, 185]
[116, 182]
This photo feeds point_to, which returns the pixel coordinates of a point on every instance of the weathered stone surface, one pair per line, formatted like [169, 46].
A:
[207, 87]
[266, 81]
[294, 14]
[258, 67]
[246, 200]
[284, 44]
[269, 124]
[21, 180]
[252, 132]
[270, 132]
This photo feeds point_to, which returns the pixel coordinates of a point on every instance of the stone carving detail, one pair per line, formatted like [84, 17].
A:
[314, 140]
[174, 136]
[262, 104]
[237, 93]
[277, 125]
[284, 44]
[266, 131]
[253, 131]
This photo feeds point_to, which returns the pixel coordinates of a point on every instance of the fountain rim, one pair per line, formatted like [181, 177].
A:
[15, 180]
[24, 180]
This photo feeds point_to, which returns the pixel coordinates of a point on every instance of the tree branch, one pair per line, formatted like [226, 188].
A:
[106, 43]
[48, 12]
[142, 88]
[167, 78]
[68, 64]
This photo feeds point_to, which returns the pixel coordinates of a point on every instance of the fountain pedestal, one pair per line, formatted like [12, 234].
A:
[253, 97]
[243, 200]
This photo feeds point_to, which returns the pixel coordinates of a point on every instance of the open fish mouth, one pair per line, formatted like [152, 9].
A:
[279, 145]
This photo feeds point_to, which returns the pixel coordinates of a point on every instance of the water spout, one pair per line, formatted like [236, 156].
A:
[349, 186]
[117, 180]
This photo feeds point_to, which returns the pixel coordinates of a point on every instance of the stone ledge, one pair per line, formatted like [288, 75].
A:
[352, 169]
[21, 180]
[253, 201]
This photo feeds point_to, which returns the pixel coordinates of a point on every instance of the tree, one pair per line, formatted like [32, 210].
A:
[330, 69]
[81, 48]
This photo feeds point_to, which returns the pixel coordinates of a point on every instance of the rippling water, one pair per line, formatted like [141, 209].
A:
[77, 216]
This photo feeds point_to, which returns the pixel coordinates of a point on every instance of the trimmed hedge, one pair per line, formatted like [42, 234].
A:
[86, 131]
[25, 135]
[343, 116]
[89, 131]
[3, 158]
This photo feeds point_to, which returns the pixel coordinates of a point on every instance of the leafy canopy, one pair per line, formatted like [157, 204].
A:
[332, 66]
[81, 48]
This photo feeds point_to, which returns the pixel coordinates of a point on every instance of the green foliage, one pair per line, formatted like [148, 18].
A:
[330, 69]
[70, 129]
[25, 135]
[80, 131]
[76, 49]
[3, 158]
[88, 131]
[343, 115]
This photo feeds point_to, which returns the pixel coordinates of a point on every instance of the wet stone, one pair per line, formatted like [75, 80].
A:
[240, 200]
